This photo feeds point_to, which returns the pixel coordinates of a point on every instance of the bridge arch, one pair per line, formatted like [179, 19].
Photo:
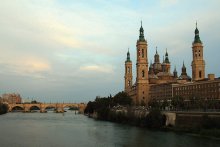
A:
[34, 107]
[17, 108]
[48, 108]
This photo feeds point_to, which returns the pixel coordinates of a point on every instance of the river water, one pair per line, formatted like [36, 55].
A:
[70, 130]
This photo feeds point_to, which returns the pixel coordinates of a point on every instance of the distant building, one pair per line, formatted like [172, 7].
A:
[26, 100]
[159, 83]
[11, 98]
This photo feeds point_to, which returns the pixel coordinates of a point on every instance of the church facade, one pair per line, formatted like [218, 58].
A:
[156, 81]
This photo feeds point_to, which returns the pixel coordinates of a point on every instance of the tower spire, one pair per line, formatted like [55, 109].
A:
[141, 36]
[166, 57]
[183, 69]
[183, 64]
[128, 56]
[175, 72]
[197, 38]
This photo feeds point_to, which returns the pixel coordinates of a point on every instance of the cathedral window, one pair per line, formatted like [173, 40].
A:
[142, 53]
[129, 83]
[128, 70]
[139, 53]
[143, 74]
[200, 74]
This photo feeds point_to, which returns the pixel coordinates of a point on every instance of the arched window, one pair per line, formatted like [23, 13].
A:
[129, 83]
[200, 74]
[139, 53]
[128, 69]
[143, 74]
[142, 53]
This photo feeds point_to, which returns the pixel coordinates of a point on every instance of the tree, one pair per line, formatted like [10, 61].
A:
[122, 98]
[89, 108]
[34, 102]
[165, 104]
[154, 104]
[177, 103]
[155, 119]
[3, 108]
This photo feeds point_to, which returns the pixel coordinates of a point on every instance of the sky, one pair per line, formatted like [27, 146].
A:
[74, 50]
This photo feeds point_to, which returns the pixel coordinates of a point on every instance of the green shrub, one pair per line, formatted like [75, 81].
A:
[3, 108]
[155, 119]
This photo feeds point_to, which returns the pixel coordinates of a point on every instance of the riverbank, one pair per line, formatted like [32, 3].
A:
[199, 124]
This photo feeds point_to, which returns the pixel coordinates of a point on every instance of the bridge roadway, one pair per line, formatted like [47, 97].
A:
[59, 107]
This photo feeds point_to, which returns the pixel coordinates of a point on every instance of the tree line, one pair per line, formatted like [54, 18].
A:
[3, 108]
[102, 106]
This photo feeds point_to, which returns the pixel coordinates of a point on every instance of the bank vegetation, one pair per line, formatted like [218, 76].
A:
[119, 109]
[3, 108]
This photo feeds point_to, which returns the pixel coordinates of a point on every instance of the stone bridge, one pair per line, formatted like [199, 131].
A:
[59, 107]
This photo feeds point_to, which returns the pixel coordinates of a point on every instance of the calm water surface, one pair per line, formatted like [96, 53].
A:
[70, 130]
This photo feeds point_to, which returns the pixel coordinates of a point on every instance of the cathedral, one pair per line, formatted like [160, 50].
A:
[155, 80]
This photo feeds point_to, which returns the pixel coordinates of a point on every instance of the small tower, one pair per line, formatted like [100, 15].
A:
[183, 69]
[198, 64]
[157, 65]
[175, 75]
[163, 65]
[156, 57]
[151, 69]
[184, 75]
[142, 70]
[166, 57]
[128, 73]
[167, 63]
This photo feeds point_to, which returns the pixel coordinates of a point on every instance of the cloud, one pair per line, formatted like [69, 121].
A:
[168, 3]
[97, 68]
[26, 66]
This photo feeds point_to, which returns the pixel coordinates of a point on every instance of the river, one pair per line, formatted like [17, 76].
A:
[70, 130]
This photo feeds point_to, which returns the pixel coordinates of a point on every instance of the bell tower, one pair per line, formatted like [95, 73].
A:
[142, 70]
[198, 64]
[128, 73]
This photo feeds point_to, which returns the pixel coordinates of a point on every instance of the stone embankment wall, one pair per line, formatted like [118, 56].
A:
[179, 119]
[196, 119]
[141, 112]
